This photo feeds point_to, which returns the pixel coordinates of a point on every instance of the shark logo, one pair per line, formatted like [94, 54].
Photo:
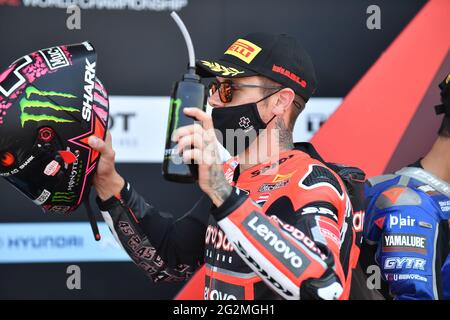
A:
[27, 104]
[88, 97]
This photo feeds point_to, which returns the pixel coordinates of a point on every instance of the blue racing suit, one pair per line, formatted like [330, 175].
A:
[407, 226]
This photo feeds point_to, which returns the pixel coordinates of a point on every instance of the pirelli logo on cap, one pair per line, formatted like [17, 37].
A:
[244, 50]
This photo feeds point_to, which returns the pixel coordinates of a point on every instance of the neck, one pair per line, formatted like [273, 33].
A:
[437, 161]
[268, 146]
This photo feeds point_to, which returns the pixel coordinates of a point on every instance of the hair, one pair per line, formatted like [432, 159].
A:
[444, 130]
[297, 107]
[444, 86]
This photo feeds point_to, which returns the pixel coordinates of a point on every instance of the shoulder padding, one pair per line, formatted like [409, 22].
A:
[319, 174]
[398, 196]
[380, 179]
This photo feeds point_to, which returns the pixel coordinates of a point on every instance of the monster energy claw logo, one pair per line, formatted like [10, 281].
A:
[26, 103]
[177, 103]
[64, 197]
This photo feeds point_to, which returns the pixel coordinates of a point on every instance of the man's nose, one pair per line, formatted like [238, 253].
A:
[214, 100]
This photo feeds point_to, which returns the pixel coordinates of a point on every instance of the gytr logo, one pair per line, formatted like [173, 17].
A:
[392, 263]
[27, 104]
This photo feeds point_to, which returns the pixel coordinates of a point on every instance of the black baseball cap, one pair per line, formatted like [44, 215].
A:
[278, 57]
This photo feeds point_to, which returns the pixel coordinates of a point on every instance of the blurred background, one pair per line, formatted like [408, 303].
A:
[140, 54]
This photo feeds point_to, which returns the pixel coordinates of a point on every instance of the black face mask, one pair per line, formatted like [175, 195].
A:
[239, 125]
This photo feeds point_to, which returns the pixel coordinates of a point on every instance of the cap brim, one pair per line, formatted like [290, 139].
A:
[220, 68]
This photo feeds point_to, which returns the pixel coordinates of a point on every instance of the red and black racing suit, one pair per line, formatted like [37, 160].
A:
[286, 231]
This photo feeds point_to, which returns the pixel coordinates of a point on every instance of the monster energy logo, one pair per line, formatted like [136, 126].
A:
[177, 104]
[67, 197]
[26, 103]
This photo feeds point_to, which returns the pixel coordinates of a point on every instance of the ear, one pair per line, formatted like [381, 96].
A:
[284, 100]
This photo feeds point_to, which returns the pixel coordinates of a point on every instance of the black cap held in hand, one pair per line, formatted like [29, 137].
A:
[278, 57]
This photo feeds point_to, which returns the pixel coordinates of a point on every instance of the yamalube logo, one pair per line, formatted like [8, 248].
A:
[402, 242]
[88, 97]
[27, 104]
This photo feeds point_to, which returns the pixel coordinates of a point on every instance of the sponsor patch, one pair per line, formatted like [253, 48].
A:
[358, 220]
[445, 206]
[217, 238]
[393, 193]
[392, 263]
[221, 290]
[320, 211]
[274, 242]
[31, 106]
[400, 242]
[262, 271]
[244, 50]
[266, 187]
[289, 75]
[55, 58]
[267, 168]
[401, 221]
[52, 168]
[424, 224]
[330, 231]
[300, 236]
[59, 209]
[402, 277]
[67, 197]
[42, 198]
[88, 96]
[262, 199]
[380, 222]
[330, 235]
[282, 177]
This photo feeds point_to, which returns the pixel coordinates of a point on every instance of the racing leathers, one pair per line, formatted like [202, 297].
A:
[407, 227]
[285, 232]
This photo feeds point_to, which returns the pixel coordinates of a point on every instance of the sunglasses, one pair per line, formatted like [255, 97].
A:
[227, 87]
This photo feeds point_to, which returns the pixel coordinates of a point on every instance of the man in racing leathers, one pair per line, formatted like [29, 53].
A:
[407, 221]
[277, 228]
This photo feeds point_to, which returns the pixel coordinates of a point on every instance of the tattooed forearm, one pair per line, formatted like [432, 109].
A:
[221, 190]
[285, 135]
[217, 186]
